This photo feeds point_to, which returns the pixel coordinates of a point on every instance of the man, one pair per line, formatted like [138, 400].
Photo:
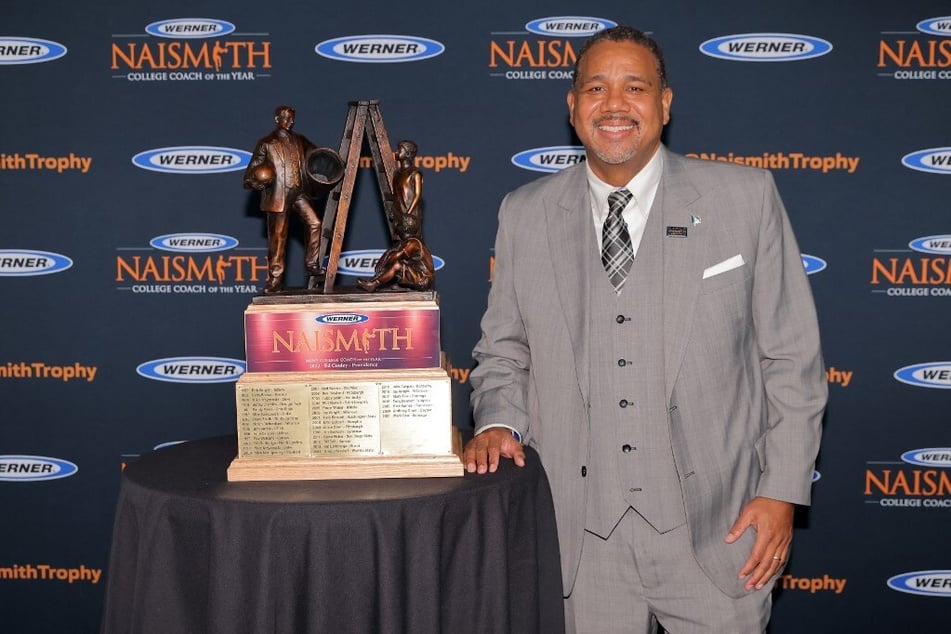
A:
[285, 152]
[675, 398]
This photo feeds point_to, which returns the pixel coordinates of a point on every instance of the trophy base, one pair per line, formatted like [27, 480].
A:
[350, 467]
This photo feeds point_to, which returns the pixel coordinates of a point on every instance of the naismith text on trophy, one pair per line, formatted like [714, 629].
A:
[343, 382]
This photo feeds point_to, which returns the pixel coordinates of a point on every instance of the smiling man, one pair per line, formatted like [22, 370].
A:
[651, 333]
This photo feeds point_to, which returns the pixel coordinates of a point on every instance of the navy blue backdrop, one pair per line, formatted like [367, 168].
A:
[123, 136]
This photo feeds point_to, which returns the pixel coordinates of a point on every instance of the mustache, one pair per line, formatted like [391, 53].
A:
[616, 119]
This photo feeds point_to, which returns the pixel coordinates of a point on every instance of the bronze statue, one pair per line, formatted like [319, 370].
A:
[409, 262]
[284, 167]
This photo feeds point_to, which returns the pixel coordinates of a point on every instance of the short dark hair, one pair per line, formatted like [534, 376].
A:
[625, 34]
[282, 109]
[409, 146]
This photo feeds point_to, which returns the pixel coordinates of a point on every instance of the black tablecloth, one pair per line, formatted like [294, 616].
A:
[193, 552]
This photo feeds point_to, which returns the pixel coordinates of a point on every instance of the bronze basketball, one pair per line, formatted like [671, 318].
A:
[264, 174]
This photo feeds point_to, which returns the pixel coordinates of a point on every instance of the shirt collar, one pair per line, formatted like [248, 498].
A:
[643, 186]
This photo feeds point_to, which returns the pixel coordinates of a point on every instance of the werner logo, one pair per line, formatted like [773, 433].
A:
[940, 245]
[933, 457]
[362, 263]
[936, 160]
[936, 26]
[29, 50]
[194, 242]
[192, 160]
[343, 318]
[936, 375]
[379, 48]
[21, 263]
[929, 583]
[765, 47]
[550, 159]
[190, 28]
[812, 264]
[164, 445]
[34, 468]
[192, 370]
[569, 26]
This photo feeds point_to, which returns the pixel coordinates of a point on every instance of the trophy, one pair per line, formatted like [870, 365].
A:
[343, 383]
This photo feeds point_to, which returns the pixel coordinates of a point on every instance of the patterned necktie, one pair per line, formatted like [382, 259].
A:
[617, 253]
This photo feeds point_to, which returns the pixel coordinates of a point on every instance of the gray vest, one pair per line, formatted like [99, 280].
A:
[631, 463]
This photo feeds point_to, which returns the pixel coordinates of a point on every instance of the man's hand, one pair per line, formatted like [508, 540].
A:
[482, 452]
[773, 522]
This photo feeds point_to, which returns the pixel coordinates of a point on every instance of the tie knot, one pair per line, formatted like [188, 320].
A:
[618, 200]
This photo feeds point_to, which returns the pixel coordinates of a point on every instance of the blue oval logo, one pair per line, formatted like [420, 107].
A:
[568, 26]
[940, 245]
[29, 50]
[194, 159]
[379, 49]
[23, 263]
[765, 47]
[34, 468]
[936, 374]
[190, 28]
[361, 263]
[170, 443]
[812, 264]
[936, 26]
[933, 457]
[550, 159]
[193, 369]
[343, 318]
[194, 242]
[815, 476]
[935, 160]
[929, 583]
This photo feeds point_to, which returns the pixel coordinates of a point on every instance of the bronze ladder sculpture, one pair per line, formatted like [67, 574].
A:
[363, 119]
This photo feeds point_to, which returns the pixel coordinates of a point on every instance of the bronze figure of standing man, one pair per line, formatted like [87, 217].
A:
[283, 188]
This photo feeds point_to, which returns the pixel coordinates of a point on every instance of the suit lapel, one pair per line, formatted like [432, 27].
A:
[567, 212]
[680, 204]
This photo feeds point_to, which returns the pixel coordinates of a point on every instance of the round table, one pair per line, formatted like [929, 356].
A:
[192, 552]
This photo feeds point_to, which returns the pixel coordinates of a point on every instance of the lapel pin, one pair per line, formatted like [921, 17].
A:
[695, 220]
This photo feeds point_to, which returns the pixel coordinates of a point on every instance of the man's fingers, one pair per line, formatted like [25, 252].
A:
[483, 452]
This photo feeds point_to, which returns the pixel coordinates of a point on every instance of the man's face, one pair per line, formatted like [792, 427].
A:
[618, 108]
[285, 120]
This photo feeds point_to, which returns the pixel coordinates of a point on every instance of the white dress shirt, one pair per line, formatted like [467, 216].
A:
[643, 186]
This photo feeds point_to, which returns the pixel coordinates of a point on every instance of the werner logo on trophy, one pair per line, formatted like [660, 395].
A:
[343, 383]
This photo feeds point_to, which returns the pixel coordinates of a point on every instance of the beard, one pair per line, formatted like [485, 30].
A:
[615, 155]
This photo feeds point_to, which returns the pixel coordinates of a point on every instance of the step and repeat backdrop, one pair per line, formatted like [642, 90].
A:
[129, 248]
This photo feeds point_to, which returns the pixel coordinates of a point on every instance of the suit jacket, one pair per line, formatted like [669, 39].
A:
[744, 377]
[290, 178]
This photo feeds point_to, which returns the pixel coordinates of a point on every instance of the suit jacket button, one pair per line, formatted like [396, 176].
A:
[626, 448]
[619, 319]
[584, 472]
[621, 363]
[623, 402]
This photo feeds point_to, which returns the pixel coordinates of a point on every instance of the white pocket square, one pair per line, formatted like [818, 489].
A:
[726, 265]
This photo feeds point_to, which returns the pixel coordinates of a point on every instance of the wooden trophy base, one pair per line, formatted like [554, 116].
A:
[350, 467]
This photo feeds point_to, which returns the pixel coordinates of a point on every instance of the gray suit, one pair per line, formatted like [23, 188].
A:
[742, 368]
